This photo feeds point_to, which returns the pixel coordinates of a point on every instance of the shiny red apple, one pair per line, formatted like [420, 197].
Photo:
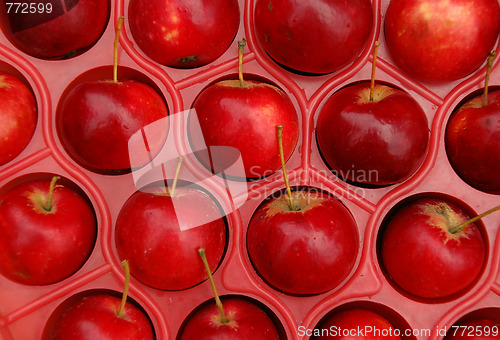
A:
[54, 29]
[472, 142]
[425, 253]
[245, 117]
[160, 233]
[379, 142]
[306, 248]
[18, 114]
[48, 232]
[441, 40]
[97, 118]
[313, 36]
[479, 329]
[184, 34]
[245, 321]
[356, 323]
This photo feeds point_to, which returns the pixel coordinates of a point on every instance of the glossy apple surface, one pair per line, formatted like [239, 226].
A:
[160, 236]
[479, 329]
[379, 142]
[55, 29]
[245, 118]
[357, 324]
[184, 34]
[441, 40]
[96, 120]
[41, 245]
[305, 251]
[246, 321]
[472, 142]
[95, 317]
[18, 114]
[313, 36]
[423, 255]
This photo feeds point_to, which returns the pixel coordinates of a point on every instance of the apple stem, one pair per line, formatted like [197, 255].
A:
[49, 204]
[126, 268]
[203, 256]
[176, 176]
[285, 176]
[241, 49]
[489, 65]
[472, 220]
[115, 49]
[374, 62]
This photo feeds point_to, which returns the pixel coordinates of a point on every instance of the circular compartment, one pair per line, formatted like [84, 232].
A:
[94, 313]
[423, 254]
[372, 143]
[54, 29]
[472, 140]
[249, 316]
[49, 229]
[306, 247]
[361, 319]
[111, 128]
[159, 231]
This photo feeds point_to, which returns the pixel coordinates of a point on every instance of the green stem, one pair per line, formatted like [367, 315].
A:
[241, 49]
[489, 65]
[372, 84]
[285, 176]
[472, 220]
[115, 49]
[126, 267]
[218, 302]
[48, 206]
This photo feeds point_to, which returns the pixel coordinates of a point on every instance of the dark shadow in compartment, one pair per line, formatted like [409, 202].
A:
[434, 195]
[207, 155]
[161, 126]
[274, 318]
[70, 301]
[400, 326]
[482, 322]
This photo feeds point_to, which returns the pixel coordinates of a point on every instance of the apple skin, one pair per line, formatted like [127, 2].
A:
[184, 34]
[424, 258]
[18, 114]
[59, 34]
[245, 118]
[95, 317]
[441, 40]
[160, 236]
[303, 252]
[40, 247]
[479, 329]
[476, 160]
[313, 36]
[246, 321]
[380, 142]
[353, 319]
[97, 118]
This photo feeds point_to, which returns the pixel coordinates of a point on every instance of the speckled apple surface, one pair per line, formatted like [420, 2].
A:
[26, 311]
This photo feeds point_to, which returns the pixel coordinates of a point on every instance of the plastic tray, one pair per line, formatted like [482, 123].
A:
[25, 310]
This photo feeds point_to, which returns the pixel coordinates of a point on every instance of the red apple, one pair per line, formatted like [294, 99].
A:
[379, 142]
[472, 142]
[18, 115]
[441, 40]
[313, 36]
[424, 252]
[95, 317]
[184, 34]
[479, 329]
[160, 233]
[245, 321]
[48, 232]
[97, 118]
[356, 324]
[308, 249]
[54, 29]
